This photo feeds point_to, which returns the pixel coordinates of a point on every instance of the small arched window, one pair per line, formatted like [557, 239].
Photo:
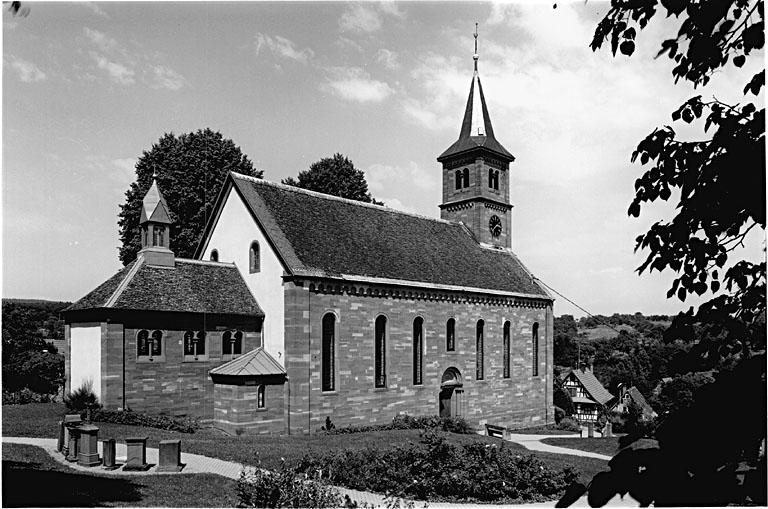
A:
[261, 400]
[506, 349]
[254, 258]
[418, 350]
[458, 179]
[490, 178]
[496, 180]
[149, 345]
[450, 335]
[380, 353]
[156, 343]
[479, 361]
[328, 367]
[215, 255]
[194, 343]
[142, 343]
[535, 347]
[232, 342]
[466, 177]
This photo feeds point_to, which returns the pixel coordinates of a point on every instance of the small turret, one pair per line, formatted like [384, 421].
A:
[155, 224]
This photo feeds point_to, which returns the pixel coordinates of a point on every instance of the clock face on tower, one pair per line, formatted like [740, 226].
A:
[494, 224]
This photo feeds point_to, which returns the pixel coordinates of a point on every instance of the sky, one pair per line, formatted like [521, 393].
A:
[87, 87]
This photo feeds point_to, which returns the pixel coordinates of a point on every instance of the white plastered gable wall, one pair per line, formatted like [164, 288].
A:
[232, 235]
[85, 356]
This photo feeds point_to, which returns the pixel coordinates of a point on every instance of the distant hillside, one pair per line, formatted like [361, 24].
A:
[25, 317]
[597, 327]
[57, 305]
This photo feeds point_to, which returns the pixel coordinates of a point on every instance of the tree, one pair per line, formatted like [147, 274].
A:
[334, 175]
[721, 186]
[190, 171]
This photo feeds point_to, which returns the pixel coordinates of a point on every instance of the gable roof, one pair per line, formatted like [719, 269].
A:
[257, 362]
[591, 384]
[325, 236]
[189, 286]
[637, 396]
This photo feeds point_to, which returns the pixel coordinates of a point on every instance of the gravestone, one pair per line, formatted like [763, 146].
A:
[70, 421]
[137, 454]
[60, 442]
[72, 448]
[88, 452]
[591, 429]
[108, 454]
[170, 456]
[608, 430]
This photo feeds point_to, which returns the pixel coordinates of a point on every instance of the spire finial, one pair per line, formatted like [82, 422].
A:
[475, 57]
[154, 172]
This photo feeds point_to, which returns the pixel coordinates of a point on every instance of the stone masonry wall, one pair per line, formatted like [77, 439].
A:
[236, 409]
[519, 401]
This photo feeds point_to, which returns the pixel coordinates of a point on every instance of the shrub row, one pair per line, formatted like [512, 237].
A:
[284, 488]
[25, 396]
[439, 470]
[180, 424]
[450, 424]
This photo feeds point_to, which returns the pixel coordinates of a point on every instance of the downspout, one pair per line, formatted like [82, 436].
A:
[124, 407]
[309, 357]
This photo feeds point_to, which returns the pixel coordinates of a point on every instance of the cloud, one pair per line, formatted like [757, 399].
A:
[117, 72]
[94, 9]
[164, 77]
[388, 58]
[354, 84]
[100, 39]
[360, 18]
[380, 176]
[27, 71]
[283, 47]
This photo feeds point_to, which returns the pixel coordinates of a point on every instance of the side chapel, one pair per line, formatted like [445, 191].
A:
[300, 306]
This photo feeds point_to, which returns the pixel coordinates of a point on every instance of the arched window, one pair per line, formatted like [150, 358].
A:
[418, 350]
[458, 179]
[260, 401]
[254, 258]
[142, 343]
[215, 255]
[535, 346]
[328, 351]
[479, 363]
[232, 342]
[149, 344]
[194, 343]
[450, 335]
[466, 177]
[506, 349]
[380, 354]
[490, 178]
[156, 343]
[496, 180]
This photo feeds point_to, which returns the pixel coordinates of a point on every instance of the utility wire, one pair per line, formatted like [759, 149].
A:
[577, 306]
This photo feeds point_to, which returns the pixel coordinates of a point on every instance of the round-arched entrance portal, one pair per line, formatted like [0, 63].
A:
[451, 399]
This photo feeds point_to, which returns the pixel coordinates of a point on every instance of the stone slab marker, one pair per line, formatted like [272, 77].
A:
[72, 447]
[137, 454]
[170, 456]
[88, 454]
[608, 430]
[108, 453]
[70, 421]
[591, 429]
[60, 441]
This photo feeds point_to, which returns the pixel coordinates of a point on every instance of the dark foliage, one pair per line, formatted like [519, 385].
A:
[569, 424]
[190, 170]
[562, 399]
[678, 393]
[450, 424]
[336, 176]
[29, 360]
[284, 488]
[437, 469]
[82, 399]
[180, 424]
[24, 397]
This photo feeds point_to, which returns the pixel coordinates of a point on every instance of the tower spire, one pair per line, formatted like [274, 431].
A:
[476, 56]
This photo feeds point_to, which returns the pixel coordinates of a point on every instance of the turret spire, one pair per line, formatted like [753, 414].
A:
[476, 56]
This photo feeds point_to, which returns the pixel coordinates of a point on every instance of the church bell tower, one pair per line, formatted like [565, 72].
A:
[155, 226]
[476, 173]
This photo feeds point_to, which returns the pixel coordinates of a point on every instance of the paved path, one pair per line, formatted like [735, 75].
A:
[534, 443]
[195, 464]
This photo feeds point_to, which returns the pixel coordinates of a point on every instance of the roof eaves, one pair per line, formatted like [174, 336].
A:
[124, 283]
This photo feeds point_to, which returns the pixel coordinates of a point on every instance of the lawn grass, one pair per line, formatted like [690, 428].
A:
[31, 478]
[607, 446]
[268, 451]
[549, 429]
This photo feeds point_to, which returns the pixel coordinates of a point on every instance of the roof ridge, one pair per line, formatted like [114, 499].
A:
[317, 194]
[110, 302]
[206, 262]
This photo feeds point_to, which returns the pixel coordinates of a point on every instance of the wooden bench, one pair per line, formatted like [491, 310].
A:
[494, 431]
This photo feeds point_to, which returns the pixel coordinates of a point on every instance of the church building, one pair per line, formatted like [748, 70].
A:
[300, 306]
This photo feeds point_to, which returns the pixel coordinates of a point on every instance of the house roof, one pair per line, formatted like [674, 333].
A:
[640, 400]
[189, 286]
[254, 363]
[591, 384]
[325, 236]
[581, 399]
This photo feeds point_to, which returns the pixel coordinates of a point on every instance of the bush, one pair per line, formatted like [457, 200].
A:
[405, 421]
[559, 414]
[82, 399]
[440, 470]
[569, 424]
[284, 488]
[25, 396]
[180, 424]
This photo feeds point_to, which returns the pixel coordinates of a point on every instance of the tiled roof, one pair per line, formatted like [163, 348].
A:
[326, 236]
[254, 363]
[154, 207]
[640, 401]
[591, 384]
[190, 286]
[580, 399]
